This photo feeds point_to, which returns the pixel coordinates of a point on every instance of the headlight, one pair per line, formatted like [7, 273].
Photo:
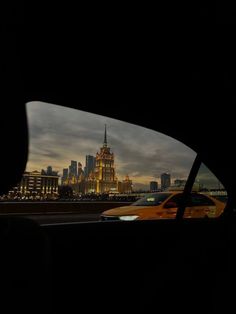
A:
[128, 218]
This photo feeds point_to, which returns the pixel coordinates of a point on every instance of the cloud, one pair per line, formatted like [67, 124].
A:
[60, 134]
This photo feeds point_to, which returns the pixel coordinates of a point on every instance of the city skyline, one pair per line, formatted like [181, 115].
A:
[59, 134]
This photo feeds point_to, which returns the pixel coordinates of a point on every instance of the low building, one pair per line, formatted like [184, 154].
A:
[35, 185]
[180, 182]
[126, 186]
[153, 186]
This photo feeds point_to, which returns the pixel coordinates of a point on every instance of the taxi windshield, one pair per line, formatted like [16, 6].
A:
[152, 199]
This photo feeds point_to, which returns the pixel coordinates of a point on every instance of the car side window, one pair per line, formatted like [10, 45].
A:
[208, 191]
[176, 199]
[87, 167]
[200, 200]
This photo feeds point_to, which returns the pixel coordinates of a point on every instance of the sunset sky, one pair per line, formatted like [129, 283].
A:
[60, 134]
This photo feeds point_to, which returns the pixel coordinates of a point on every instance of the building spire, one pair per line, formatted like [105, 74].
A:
[105, 137]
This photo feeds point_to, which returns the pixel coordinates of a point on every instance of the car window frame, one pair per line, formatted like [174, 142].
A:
[188, 187]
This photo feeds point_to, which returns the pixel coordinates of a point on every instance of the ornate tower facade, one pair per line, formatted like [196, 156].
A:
[105, 170]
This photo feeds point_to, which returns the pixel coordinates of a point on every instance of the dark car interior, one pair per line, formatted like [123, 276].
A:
[180, 85]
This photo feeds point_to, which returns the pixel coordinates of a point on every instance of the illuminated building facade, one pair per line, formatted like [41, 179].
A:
[91, 184]
[126, 186]
[36, 185]
[74, 177]
[105, 170]
[99, 176]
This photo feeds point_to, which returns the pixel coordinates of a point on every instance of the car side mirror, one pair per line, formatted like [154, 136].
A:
[170, 204]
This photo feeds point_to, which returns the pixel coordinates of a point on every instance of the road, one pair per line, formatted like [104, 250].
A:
[58, 212]
[62, 218]
[58, 217]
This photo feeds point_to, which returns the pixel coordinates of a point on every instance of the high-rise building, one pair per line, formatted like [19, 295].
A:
[49, 170]
[73, 168]
[65, 174]
[153, 186]
[105, 170]
[70, 173]
[80, 172]
[90, 165]
[74, 177]
[165, 181]
[98, 175]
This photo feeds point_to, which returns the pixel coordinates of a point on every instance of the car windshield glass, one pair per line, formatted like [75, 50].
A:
[152, 199]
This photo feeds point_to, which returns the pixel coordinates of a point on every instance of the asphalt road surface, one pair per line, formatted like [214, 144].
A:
[63, 218]
[58, 212]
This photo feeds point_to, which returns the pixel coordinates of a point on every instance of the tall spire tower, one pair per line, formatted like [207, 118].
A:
[105, 170]
[105, 137]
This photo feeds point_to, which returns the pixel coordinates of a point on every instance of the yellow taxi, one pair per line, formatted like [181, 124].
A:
[164, 205]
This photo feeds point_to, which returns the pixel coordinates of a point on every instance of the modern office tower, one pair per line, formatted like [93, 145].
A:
[165, 181]
[65, 174]
[89, 165]
[73, 168]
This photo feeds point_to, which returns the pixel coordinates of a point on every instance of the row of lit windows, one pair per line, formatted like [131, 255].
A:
[105, 164]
